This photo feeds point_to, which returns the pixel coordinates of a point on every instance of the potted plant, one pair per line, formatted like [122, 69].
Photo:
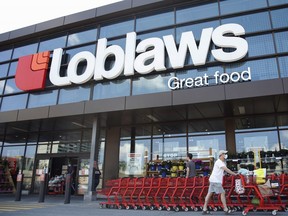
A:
[181, 164]
[198, 164]
[175, 166]
[152, 166]
[163, 172]
[206, 170]
[272, 165]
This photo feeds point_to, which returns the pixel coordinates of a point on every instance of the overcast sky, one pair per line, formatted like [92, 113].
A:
[15, 14]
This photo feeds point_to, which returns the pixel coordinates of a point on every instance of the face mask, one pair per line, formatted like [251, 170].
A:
[225, 156]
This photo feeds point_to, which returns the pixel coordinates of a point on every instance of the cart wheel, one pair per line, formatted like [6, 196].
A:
[255, 210]
[274, 212]
[186, 209]
[128, 207]
[168, 208]
[286, 209]
[195, 209]
[119, 207]
[160, 208]
[215, 209]
[176, 209]
[135, 207]
[244, 213]
[143, 207]
[151, 207]
[101, 205]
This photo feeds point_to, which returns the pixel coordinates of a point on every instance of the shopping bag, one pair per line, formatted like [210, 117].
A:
[260, 175]
[239, 188]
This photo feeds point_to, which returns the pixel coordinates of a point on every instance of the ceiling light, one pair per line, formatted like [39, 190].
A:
[241, 110]
[78, 124]
[152, 118]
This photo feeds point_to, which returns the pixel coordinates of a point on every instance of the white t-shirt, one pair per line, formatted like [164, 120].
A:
[217, 172]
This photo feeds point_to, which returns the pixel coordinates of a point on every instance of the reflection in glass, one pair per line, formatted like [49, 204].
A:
[281, 39]
[257, 141]
[279, 18]
[12, 68]
[5, 55]
[251, 23]
[278, 2]
[15, 139]
[228, 7]
[260, 69]
[155, 21]
[14, 102]
[11, 87]
[284, 139]
[74, 94]
[29, 162]
[117, 88]
[82, 37]
[51, 44]
[200, 146]
[39, 99]
[151, 84]
[255, 123]
[117, 29]
[86, 141]
[283, 63]
[124, 151]
[260, 45]
[3, 70]
[25, 50]
[2, 84]
[197, 12]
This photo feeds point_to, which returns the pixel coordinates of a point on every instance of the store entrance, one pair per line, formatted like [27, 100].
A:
[56, 168]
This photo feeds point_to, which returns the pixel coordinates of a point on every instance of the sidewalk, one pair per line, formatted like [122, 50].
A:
[54, 206]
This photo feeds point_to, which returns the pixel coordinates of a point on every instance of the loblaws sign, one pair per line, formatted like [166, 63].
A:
[32, 70]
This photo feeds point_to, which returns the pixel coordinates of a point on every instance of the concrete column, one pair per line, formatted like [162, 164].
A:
[91, 194]
[111, 158]
[230, 135]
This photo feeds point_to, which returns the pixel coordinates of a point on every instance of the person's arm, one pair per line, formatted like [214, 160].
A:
[228, 170]
[187, 172]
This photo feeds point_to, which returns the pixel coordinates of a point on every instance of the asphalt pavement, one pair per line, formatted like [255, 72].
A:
[53, 205]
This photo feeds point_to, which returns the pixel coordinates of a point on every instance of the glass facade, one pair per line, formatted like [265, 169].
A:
[266, 32]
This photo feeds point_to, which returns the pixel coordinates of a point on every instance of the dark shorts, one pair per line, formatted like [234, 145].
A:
[215, 188]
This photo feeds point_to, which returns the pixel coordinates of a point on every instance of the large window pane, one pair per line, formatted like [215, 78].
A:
[74, 94]
[46, 98]
[197, 12]
[29, 162]
[25, 50]
[117, 88]
[117, 29]
[233, 6]
[82, 37]
[86, 141]
[18, 139]
[283, 63]
[278, 2]
[151, 84]
[51, 44]
[260, 45]
[260, 69]
[281, 39]
[284, 139]
[3, 70]
[200, 146]
[5, 55]
[66, 142]
[124, 151]
[266, 141]
[2, 83]
[14, 102]
[251, 23]
[12, 68]
[142, 150]
[196, 29]
[279, 18]
[11, 87]
[155, 21]
[14, 156]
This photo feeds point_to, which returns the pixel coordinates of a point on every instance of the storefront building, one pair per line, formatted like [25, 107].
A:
[123, 83]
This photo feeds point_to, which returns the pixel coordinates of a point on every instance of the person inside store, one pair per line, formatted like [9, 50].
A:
[97, 174]
[215, 182]
[71, 171]
[190, 166]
